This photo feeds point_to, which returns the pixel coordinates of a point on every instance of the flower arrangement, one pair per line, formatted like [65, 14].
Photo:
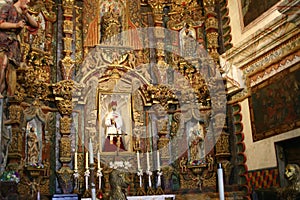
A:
[10, 176]
[37, 165]
[197, 162]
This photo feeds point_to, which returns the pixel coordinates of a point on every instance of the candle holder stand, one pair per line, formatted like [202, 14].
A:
[159, 189]
[150, 190]
[76, 179]
[87, 193]
[140, 190]
[92, 181]
[99, 175]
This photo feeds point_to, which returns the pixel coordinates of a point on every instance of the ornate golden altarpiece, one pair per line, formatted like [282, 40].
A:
[159, 61]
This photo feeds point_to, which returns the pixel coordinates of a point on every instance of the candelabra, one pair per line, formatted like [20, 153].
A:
[92, 181]
[99, 175]
[150, 190]
[159, 189]
[76, 178]
[86, 177]
[140, 190]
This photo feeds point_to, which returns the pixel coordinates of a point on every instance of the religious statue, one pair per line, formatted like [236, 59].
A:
[32, 147]
[188, 43]
[13, 18]
[113, 123]
[196, 144]
[111, 26]
[292, 191]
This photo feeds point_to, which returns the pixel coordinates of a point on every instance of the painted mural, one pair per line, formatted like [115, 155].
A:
[275, 105]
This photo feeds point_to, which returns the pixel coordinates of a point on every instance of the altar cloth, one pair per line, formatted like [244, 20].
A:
[153, 197]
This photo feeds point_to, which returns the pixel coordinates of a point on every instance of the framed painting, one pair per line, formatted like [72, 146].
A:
[252, 9]
[115, 122]
[275, 104]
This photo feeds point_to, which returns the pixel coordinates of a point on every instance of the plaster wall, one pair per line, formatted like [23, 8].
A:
[261, 154]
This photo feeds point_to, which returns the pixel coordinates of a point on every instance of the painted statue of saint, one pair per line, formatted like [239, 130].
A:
[32, 147]
[196, 143]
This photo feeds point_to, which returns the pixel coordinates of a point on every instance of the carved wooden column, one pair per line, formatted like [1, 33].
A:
[67, 63]
[211, 28]
[63, 96]
[222, 146]
[15, 147]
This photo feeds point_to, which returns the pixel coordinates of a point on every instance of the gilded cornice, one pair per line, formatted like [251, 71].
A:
[268, 47]
[255, 47]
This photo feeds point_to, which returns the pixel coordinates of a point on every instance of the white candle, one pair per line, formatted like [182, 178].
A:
[140, 181]
[138, 159]
[91, 151]
[158, 161]
[149, 179]
[86, 160]
[75, 161]
[148, 161]
[220, 182]
[100, 183]
[98, 157]
[158, 181]
[86, 183]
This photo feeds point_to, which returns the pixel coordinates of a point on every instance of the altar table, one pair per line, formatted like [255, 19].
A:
[153, 197]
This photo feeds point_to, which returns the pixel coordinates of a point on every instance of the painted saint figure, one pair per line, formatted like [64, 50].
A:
[113, 123]
[13, 18]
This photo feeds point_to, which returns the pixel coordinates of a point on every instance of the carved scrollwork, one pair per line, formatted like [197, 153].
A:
[65, 125]
[15, 114]
[65, 150]
[35, 81]
[15, 146]
[222, 146]
[160, 94]
[63, 89]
